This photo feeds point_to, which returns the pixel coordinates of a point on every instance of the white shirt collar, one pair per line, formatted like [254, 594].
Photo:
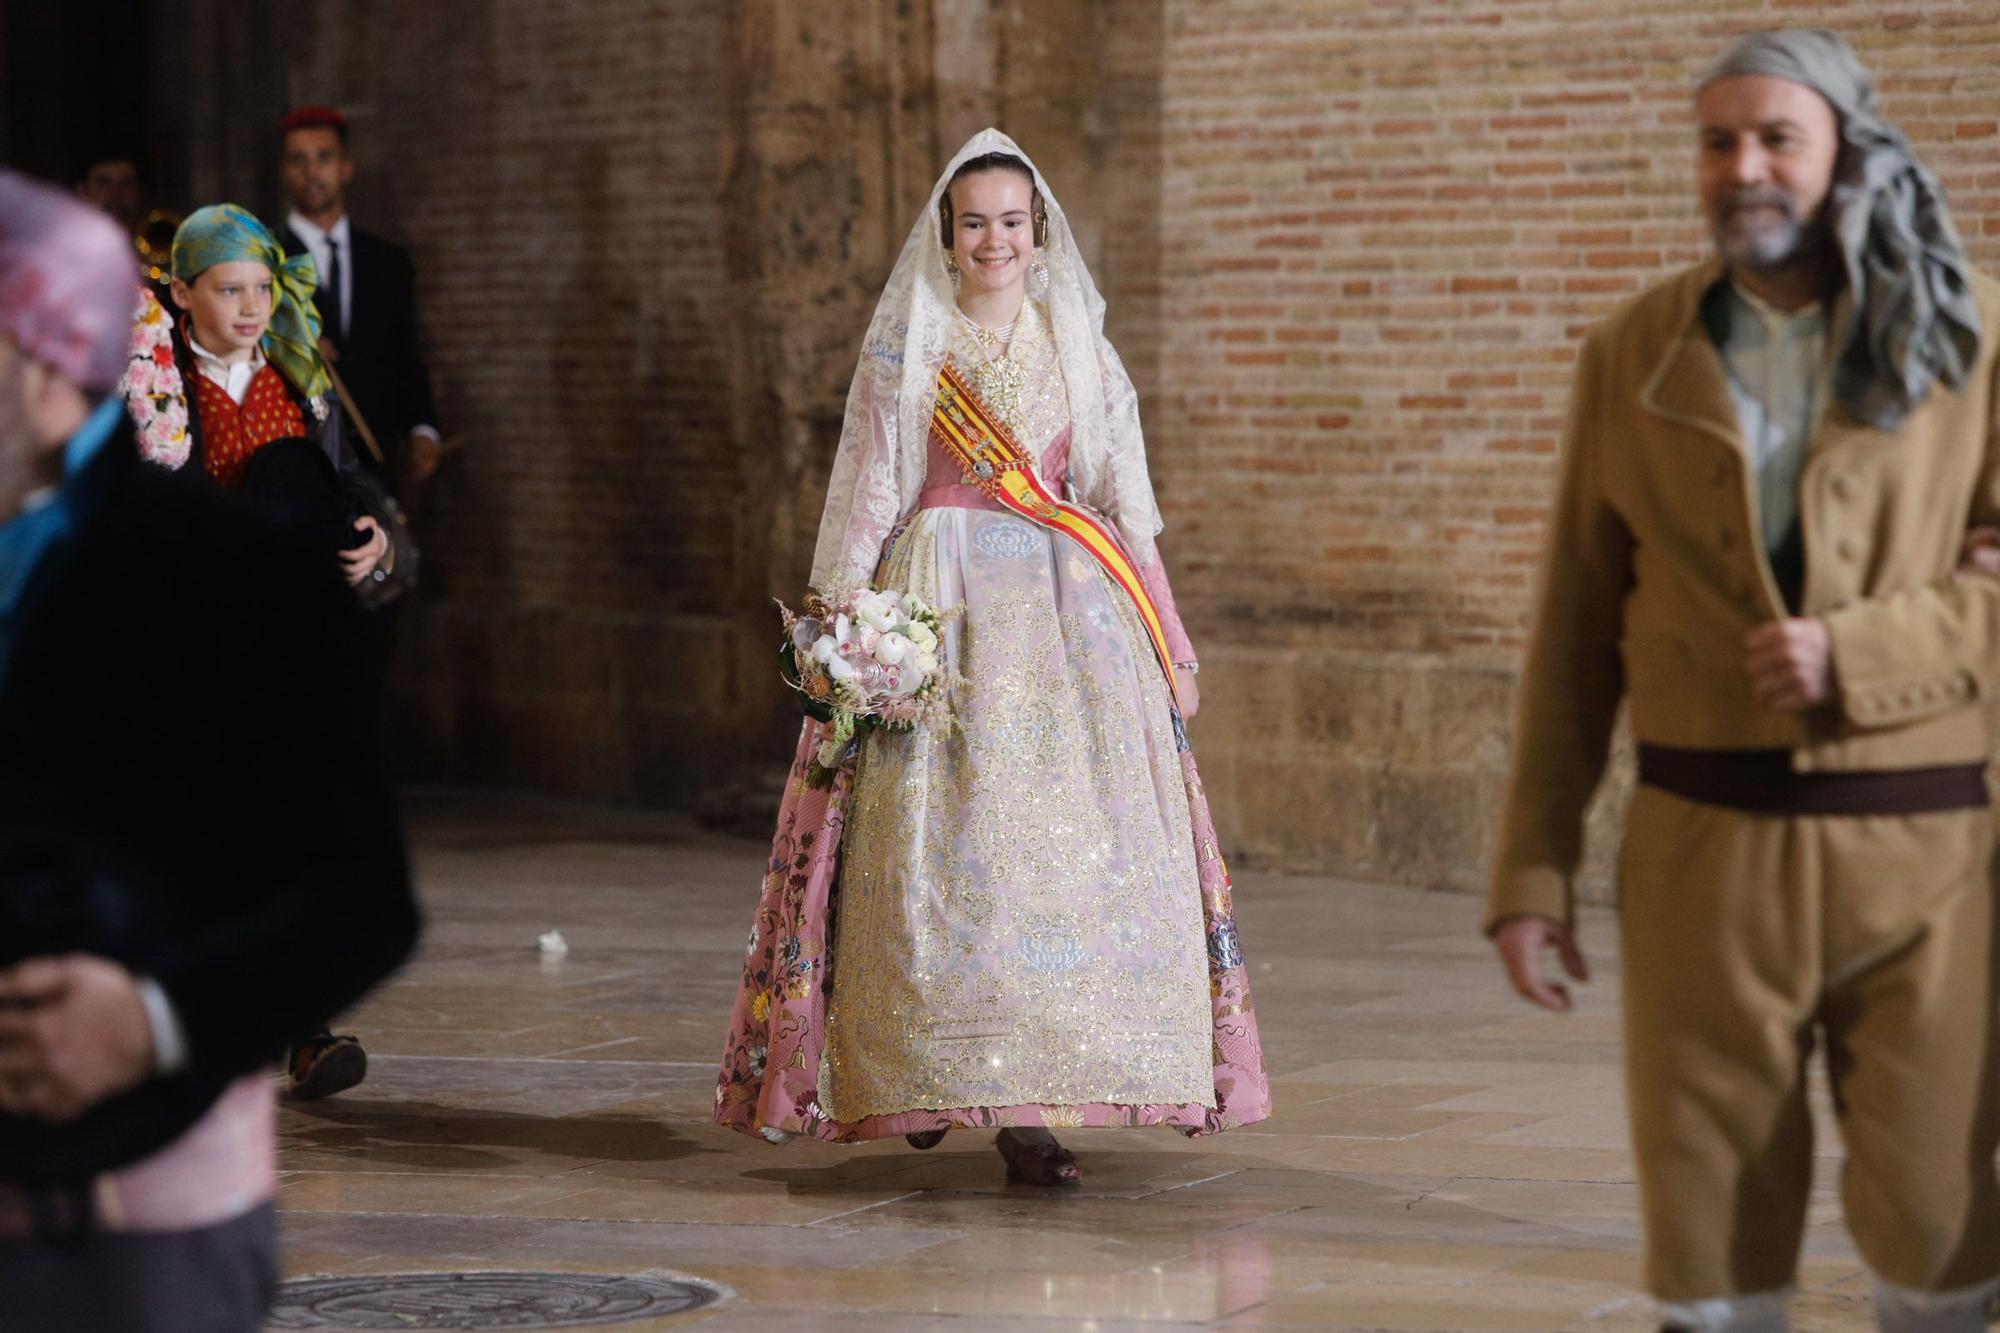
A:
[233, 377]
[205, 358]
[314, 235]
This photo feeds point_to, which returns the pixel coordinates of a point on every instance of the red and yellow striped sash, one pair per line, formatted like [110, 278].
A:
[1003, 471]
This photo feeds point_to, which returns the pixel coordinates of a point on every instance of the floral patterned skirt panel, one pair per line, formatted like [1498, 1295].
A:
[1020, 918]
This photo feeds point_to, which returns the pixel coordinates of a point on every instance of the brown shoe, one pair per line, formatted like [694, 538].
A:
[323, 1065]
[1035, 1158]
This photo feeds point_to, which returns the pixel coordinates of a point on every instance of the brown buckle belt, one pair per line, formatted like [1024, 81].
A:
[1764, 782]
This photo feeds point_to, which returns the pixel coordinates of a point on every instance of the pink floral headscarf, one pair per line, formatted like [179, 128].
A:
[67, 274]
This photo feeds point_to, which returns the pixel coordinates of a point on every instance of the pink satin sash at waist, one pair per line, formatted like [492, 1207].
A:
[945, 493]
[956, 495]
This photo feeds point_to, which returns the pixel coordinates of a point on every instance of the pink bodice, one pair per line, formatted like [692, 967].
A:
[945, 488]
[944, 479]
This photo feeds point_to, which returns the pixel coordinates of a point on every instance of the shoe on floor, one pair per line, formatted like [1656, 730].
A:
[323, 1065]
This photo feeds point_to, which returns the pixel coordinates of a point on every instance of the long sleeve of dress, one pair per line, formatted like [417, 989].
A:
[864, 492]
[1154, 575]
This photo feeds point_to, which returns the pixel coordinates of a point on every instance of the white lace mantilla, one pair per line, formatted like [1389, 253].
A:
[879, 466]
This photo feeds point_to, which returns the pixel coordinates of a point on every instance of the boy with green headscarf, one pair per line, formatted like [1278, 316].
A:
[248, 350]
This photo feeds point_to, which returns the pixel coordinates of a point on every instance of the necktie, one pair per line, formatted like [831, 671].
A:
[330, 312]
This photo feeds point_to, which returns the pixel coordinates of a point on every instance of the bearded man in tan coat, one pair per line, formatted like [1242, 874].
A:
[1775, 464]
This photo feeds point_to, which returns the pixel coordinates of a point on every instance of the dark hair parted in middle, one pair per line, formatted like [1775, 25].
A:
[972, 166]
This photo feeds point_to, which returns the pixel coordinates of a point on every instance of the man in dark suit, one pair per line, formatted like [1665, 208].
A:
[368, 335]
[199, 855]
[366, 297]
[112, 182]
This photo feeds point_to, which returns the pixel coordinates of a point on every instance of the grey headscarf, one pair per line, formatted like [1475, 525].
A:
[1914, 321]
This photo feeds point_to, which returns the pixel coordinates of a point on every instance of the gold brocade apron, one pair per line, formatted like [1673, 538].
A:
[1003, 471]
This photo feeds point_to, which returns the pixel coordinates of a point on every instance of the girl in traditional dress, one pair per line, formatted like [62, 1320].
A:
[1033, 920]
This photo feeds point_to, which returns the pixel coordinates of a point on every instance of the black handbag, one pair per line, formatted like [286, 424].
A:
[368, 497]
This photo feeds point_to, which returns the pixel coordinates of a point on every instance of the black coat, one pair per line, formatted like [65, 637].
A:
[191, 783]
[295, 479]
[380, 359]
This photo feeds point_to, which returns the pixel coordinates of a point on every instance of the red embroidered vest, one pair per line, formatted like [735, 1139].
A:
[231, 435]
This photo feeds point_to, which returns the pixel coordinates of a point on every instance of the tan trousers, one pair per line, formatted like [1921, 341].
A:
[1748, 937]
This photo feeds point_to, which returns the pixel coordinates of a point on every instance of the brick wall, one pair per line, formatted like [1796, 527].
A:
[556, 171]
[648, 239]
[1385, 228]
[1348, 249]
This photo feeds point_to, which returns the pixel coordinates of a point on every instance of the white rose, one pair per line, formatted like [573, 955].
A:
[876, 614]
[911, 604]
[891, 649]
[923, 636]
[925, 664]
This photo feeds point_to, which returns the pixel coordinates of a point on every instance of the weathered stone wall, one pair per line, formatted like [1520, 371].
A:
[648, 241]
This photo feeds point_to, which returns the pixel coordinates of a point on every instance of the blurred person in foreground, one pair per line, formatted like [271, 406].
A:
[199, 857]
[1766, 539]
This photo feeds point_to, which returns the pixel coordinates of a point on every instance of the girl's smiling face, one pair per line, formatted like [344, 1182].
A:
[992, 229]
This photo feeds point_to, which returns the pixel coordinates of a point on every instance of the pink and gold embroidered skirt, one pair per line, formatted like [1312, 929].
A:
[1018, 919]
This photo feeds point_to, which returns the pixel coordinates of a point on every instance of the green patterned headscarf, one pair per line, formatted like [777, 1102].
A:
[225, 233]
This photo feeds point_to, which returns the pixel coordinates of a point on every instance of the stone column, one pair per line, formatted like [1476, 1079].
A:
[840, 118]
[832, 139]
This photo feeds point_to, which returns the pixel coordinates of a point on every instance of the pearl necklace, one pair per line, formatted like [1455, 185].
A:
[991, 339]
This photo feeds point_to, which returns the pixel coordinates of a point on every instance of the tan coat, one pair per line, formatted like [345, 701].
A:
[1655, 574]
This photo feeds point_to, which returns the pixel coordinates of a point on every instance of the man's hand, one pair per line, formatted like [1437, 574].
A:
[73, 1032]
[1520, 941]
[360, 562]
[1981, 552]
[1790, 664]
[425, 451]
[1190, 694]
[328, 352]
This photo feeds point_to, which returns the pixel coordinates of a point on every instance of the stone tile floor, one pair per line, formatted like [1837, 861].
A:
[1442, 1156]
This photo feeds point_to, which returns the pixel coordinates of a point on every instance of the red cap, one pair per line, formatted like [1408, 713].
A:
[315, 118]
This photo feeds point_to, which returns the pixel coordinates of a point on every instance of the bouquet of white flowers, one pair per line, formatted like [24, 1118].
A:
[862, 659]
